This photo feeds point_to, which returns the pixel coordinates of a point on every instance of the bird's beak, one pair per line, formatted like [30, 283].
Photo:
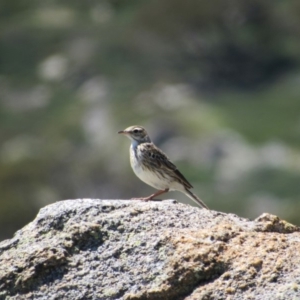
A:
[122, 132]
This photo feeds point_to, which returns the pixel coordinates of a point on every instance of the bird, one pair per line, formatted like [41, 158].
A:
[152, 166]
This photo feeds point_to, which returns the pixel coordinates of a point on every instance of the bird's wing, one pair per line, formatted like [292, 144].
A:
[158, 160]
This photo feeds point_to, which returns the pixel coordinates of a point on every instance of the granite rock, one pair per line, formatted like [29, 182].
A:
[122, 249]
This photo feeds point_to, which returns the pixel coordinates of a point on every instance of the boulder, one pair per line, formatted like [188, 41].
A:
[129, 249]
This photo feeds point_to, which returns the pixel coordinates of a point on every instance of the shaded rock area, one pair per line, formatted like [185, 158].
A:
[122, 249]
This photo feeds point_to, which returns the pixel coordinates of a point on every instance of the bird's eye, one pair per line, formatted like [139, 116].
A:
[135, 131]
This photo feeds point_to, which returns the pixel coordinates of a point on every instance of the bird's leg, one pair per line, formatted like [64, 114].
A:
[152, 196]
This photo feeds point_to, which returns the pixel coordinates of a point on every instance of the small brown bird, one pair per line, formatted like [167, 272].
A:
[153, 167]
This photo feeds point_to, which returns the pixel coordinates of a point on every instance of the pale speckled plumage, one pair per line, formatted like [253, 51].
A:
[153, 167]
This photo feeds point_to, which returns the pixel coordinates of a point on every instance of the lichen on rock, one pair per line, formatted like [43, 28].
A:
[122, 249]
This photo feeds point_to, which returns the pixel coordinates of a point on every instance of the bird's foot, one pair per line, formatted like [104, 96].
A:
[146, 199]
[151, 197]
[142, 199]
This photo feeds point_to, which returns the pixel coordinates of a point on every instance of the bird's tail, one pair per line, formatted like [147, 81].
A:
[196, 199]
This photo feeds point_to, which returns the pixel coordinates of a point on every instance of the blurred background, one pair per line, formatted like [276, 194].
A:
[216, 84]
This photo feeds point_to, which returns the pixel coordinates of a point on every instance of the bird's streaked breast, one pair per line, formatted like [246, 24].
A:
[151, 178]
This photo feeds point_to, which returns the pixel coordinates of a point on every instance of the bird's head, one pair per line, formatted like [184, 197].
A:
[136, 133]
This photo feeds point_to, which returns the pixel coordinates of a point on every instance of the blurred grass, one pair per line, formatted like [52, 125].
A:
[206, 79]
[266, 114]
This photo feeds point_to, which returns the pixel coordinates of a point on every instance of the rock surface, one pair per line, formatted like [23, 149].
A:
[120, 249]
